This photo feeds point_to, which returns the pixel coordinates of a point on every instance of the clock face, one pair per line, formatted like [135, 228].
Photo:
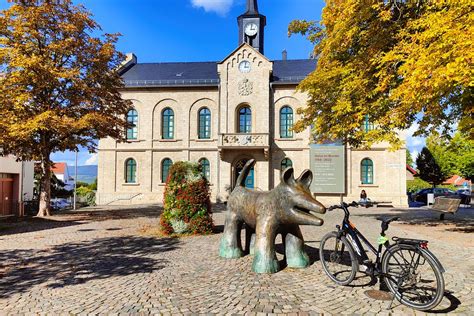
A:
[244, 66]
[251, 29]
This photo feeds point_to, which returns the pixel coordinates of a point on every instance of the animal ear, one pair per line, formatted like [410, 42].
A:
[287, 176]
[305, 178]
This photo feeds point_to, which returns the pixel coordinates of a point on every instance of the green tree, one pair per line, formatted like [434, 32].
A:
[461, 148]
[399, 62]
[81, 184]
[454, 155]
[59, 89]
[93, 185]
[409, 158]
[439, 148]
[429, 169]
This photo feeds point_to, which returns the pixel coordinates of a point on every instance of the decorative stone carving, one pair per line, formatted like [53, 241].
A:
[245, 140]
[245, 87]
[279, 211]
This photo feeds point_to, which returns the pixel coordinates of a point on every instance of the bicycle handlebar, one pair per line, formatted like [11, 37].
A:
[342, 206]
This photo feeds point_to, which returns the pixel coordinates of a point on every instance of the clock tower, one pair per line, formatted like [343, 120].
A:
[252, 26]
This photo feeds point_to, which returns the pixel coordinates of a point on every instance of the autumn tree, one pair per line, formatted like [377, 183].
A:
[429, 169]
[58, 87]
[397, 62]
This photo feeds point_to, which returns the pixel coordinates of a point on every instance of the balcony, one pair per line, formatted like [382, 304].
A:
[241, 141]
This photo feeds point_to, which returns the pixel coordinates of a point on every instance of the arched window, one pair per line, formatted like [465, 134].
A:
[204, 123]
[205, 168]
[249, 181]
[367, 171]
[167, 124]
[245, 120]
[286, 163]
[130, 171]
[132, 118]
[165, 169]
[286, 122]
[367, 125]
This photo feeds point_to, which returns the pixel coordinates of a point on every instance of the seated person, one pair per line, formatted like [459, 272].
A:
[364, 199]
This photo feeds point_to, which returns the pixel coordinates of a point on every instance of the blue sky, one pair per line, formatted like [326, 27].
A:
[196, 30]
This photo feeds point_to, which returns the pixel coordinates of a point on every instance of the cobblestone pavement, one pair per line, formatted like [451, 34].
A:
[107, 262]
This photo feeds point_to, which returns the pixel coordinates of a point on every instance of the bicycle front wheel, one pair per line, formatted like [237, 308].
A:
[413, 276]
[338, 258]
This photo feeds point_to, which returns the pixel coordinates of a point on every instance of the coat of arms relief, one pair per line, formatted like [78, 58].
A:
[245, 87]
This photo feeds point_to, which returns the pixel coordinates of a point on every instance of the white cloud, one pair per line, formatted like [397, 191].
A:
[414, 142]
[92, 160]
[221, 7]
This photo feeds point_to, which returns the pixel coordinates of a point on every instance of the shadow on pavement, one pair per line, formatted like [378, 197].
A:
[77, 263]
[462, 221]
[14, 225]
[454, 303]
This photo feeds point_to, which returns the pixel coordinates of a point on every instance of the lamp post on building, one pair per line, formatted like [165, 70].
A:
[75, 181]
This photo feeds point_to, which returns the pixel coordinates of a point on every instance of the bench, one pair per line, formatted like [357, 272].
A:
[370, 203]
[445, 205]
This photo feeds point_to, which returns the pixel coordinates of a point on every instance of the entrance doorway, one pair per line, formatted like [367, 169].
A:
[250, 181]
[6, 197]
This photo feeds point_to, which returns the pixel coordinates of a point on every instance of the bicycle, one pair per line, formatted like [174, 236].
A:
[407, 267]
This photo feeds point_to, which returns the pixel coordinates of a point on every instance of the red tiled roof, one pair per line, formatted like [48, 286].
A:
[456, 180]
[413, 171]
[59, 167]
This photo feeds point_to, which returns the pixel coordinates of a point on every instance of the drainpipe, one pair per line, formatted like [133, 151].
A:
[75, 182]
[20, 203]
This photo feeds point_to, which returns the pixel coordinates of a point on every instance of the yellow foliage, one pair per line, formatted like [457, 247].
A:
[398, 62]
[58, 86]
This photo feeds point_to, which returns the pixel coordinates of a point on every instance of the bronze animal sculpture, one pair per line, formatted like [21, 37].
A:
[268, 214]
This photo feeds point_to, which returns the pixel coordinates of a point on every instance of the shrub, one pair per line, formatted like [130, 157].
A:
[417, 184]
[86, 195]
[187, 206]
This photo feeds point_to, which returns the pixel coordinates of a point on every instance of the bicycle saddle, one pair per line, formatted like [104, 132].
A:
[389, 219]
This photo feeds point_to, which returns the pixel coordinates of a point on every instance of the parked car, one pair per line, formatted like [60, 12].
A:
[464, 191]
[465, 195]
[60, 204]
[422, 195]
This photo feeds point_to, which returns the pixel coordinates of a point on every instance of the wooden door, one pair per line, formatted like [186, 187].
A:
[6, 197]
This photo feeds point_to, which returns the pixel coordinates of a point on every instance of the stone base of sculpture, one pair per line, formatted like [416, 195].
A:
[267, 214]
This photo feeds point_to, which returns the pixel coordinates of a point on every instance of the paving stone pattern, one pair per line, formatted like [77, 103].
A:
[102, 262]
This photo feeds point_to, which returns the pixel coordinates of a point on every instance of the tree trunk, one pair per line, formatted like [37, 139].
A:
[45, 193]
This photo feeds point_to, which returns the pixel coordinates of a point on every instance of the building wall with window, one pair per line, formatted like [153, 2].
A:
[225, 113]
[16, 184]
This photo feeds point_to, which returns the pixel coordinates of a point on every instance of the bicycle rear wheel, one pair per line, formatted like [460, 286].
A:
[338, 258]
[413, 276]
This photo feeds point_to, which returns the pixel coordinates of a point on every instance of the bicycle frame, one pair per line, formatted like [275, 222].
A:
[355, 237]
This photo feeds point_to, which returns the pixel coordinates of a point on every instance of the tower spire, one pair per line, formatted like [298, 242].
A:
[252, 7]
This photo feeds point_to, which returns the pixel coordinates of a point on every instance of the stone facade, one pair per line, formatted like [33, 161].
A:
[254, 87]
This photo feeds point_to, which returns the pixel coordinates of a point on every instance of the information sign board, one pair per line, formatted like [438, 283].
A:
[327, 162]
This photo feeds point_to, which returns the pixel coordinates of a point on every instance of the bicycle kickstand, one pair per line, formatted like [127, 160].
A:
[399, 282]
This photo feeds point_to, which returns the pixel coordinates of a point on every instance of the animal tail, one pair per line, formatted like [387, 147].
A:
[245, 172]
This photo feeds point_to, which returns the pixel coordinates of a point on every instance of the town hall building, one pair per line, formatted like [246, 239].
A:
[220, 114]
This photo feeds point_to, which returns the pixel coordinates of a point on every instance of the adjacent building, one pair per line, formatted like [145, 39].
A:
[61, 171]
[221, 114]
[16, 185]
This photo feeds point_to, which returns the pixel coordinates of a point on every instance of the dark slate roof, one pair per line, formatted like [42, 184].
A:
[171, 74]
[205, 73]
[292, 71]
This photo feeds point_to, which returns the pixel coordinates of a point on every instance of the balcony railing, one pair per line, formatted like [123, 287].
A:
[255, 140]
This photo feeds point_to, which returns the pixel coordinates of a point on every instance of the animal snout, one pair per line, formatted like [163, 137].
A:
[318, 207]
